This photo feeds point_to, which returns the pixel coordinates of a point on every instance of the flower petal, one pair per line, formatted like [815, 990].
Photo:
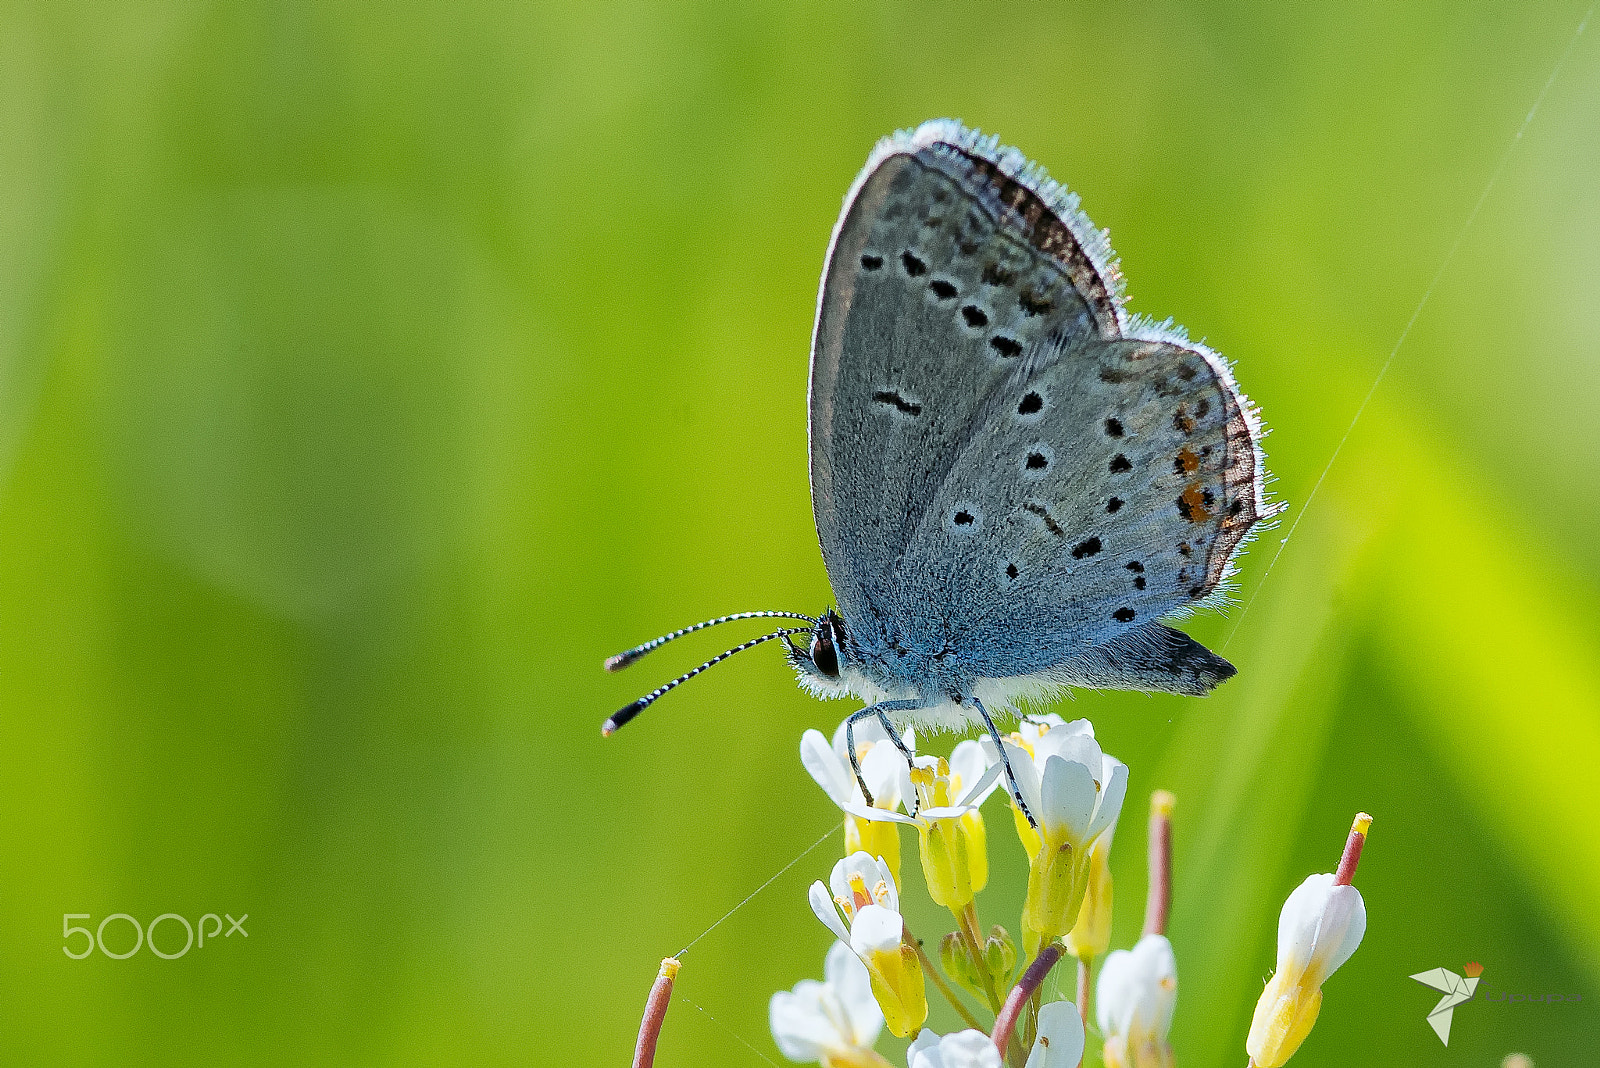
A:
[944, 812]
[970, 761]
[885, 771]
[1068, 796]
[1071, 746]
[1059, 1042]
[1114, 992]
[924, 1051]
[848, 978]
[822, 904]
[825, 767]
[1113, 791]
[1027, 773]
[1032, 728]
[980, 789]
[799, 1025]
[876, 930]
[882, 815]
[969, 1049]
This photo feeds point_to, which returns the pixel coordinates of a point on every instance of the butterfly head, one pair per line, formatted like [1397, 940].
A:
[823, 664]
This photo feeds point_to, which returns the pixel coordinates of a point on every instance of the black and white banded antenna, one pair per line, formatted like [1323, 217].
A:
[628, 656]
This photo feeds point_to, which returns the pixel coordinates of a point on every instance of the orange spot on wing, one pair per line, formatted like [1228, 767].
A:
[1188, 462]
[1192, 503]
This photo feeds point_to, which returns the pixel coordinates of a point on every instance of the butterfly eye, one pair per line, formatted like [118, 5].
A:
[823, 653]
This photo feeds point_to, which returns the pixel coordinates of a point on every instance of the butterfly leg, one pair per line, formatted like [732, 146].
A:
[879, 712]
[1005, 762]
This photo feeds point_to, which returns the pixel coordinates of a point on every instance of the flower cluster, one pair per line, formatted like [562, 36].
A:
[878, 976]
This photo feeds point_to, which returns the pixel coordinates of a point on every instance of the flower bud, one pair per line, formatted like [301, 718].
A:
[1000, 954]
[1320, 927]
[957, 964]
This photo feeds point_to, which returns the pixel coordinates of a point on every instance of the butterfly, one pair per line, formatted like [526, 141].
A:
[1015, 481]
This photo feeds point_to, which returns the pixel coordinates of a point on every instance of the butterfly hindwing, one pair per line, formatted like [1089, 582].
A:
[1117, 502]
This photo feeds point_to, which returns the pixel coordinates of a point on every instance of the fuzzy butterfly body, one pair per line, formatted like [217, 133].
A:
[1013, 480]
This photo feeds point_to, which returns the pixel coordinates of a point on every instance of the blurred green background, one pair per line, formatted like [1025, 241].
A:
[369, 371]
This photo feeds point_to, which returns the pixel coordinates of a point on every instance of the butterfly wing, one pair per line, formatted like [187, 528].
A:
[1000, 462]
[909, 347]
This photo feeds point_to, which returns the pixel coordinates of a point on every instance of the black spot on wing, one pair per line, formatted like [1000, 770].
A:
[897, 402]
[1043, 513]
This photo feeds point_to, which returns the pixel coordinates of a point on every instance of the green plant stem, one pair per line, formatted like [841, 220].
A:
[967, 926]
[938, 981]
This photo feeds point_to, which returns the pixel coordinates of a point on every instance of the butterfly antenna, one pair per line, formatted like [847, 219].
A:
[623, 716]
[623, 659]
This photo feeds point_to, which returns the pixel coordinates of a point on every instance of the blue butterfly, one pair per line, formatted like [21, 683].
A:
[1014, 480]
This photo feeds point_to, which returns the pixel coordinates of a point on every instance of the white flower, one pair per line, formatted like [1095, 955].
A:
[856, 881]
[1067, 782]
[864, 911]
[834, 1022]
[964, 1049]
[885, 773]
[950, 830]
[1320, 926]
[882, 766]
[1135, 997]
[1075, 793]
[1057, 1044]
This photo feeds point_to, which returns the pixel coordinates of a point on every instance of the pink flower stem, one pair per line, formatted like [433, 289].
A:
[1031, 980]
[1158, 901]
[655, 1014]
[1352, 850]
